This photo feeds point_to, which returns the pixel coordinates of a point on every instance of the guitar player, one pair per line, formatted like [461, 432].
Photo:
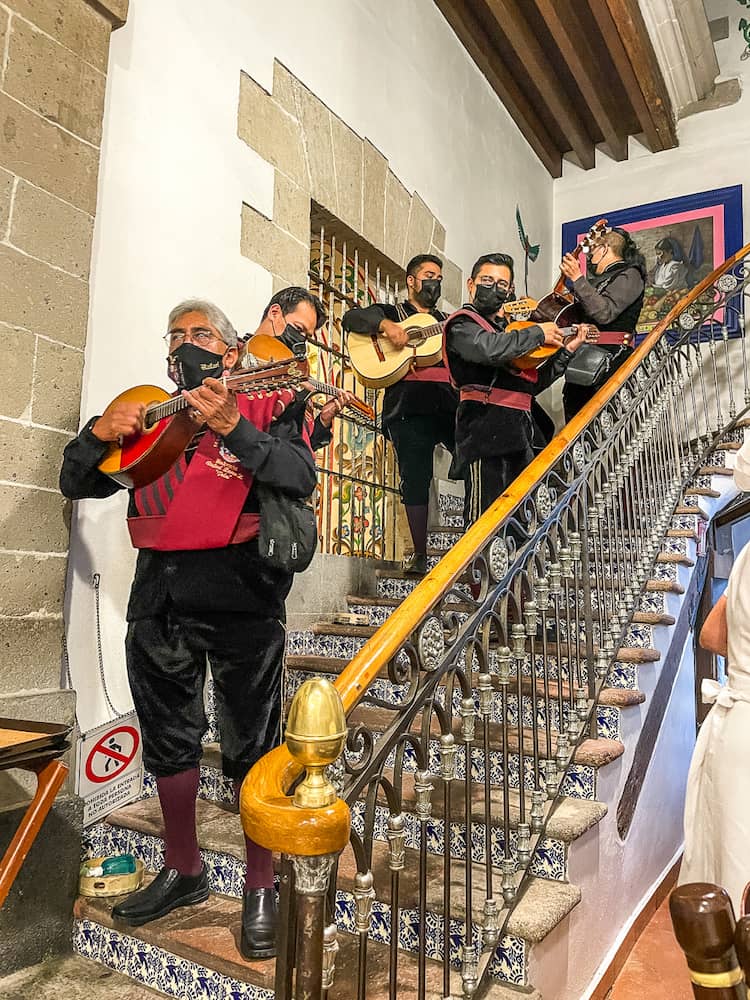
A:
[611, 298]
[419, 411]
[201, 587]
[494, 424]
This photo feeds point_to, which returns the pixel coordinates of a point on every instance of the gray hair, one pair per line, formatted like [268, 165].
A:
[213, 314]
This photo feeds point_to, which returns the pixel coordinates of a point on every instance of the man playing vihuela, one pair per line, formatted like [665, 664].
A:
[419, 411]
[293, 316]
[202, 592]
[494, 424]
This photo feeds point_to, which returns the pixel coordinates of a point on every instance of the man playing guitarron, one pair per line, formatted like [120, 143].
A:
[419, 411]
[494, 424]
[611, 298]
[202, 591]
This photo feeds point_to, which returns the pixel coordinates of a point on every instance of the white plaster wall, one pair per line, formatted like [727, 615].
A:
[174, 176]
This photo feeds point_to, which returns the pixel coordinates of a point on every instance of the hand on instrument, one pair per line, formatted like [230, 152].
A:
[395, 333]
[579, 338]
[216, 405]
[553, 336]
[570, 267]
[119, 420]
[332, 409]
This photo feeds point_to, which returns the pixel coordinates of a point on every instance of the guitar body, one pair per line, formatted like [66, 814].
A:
[378, 364]
[558, 308]
[141, 458]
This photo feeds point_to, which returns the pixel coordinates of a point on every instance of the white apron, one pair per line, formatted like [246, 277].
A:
[717, 806]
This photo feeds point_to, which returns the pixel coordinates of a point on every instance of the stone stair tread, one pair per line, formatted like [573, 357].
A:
[664, 587]
[544, 904]
[592, 752]
[570, 818]
[715, 470]
[353, 631]
[703, 491]
[672, 558]
[686, 509]
[652, 618]
[612, 697]
[682, 533]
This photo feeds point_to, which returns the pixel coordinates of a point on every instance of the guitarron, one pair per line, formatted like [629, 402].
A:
[559, 307]
[377, 363]
[169, 426]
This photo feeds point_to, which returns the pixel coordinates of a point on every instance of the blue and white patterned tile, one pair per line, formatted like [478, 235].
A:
[226, 873]
[114, 951]
[623, 675]
[87, 939]
[509, 964]
[298, 642]
[652, 601]
[639, 637]
[686, 522]
[579, 782]
[215, 786]
[148, 788]
[375, 613]
[665, 571]
[443, 540]
[676, 546]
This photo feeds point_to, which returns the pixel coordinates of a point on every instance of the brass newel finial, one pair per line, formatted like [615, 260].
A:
[315, 735]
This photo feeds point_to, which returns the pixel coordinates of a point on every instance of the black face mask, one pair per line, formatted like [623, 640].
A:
[188, 365]
[294, 340]
[429, 293]
[488, 299]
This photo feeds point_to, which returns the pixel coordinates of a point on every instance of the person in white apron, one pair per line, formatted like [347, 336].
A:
[717, 805]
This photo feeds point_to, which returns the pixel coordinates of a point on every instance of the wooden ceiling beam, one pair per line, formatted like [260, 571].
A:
[626, 37]
[475, 41]
[514, 25]
[568, 34]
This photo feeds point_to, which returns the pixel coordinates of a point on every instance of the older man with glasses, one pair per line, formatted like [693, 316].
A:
[203, 594]
[494, 423]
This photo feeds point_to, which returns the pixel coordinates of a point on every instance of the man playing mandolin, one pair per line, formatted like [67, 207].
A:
[611, 298]
[202, 592]
[494, 423]
[419, 411]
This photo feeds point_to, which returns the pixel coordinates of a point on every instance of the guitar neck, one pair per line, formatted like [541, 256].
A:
[330, 390]
[424, 332]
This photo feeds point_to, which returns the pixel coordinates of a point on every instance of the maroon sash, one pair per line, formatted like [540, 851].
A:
[198, 505]
[431, 374]
[530, 375]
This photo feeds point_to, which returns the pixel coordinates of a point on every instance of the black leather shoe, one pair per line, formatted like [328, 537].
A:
[258, 938]
[416, 565]
[168, 891]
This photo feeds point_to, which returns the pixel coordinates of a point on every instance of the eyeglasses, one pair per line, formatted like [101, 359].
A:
[487, 282]
[202, 338]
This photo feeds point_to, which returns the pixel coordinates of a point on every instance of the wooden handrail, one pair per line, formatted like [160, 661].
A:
[268, 813]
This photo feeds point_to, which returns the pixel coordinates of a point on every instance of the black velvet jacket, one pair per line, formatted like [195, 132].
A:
[478, 357]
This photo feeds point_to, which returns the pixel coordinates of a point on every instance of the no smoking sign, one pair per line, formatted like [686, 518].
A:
[109, 767]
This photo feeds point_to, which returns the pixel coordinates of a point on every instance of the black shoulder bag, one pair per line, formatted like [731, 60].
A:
[288, 537]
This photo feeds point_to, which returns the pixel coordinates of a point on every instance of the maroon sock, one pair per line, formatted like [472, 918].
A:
[259, 866]
[417, 518]
[177, 795]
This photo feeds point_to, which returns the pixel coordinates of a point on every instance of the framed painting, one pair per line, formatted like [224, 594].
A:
[682, 240]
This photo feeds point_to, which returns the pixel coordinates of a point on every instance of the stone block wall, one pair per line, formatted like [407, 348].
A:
[52, 81]
[53, 65]
[318, 158]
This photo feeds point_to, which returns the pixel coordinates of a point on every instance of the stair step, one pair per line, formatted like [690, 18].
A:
[206, 937]
[353, 631]
[715, 470]
[691, 509]
[612, 697]
[568, 821]
[682, 533]
[544, 904]
[703, 491]
[664, 587]
[591, 752]
[674, 558]
[652, 618]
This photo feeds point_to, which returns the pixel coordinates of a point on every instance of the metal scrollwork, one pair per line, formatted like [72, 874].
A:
[543, 502]
[498, 559]
[312, 874]
[727, 283]
[431, 644]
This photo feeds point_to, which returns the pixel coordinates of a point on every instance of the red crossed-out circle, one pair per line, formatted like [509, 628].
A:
[121, 760]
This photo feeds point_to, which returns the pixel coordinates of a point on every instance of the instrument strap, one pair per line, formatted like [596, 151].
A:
[496, 397]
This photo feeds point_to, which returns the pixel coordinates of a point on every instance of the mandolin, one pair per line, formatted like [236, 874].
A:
[169, 425]
[559, 307]
[377, 363]
[268, 349]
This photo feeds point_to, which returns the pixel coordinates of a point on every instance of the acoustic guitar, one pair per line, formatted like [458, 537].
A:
[559, 307]
[169, 426]
[378, 364]
[268, 349]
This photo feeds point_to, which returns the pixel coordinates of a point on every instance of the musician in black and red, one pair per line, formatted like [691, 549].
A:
[203, 592]
[611, 298]
[419, 411]
[495, 429]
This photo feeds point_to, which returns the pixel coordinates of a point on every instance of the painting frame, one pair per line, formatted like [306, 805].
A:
[720, 207]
